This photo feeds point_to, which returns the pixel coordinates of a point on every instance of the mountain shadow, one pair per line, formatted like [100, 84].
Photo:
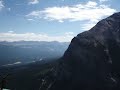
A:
[92, 60]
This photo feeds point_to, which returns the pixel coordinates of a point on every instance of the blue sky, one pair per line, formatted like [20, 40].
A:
[51, 20]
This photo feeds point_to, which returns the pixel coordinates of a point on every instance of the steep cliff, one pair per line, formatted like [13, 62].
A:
[92, 60]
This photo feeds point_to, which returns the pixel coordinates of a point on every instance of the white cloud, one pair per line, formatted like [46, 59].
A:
[89, 11]
[103, 1]
[88, 25]
[10, 31]
[1, 5]
[91, 4]
[34, 14]
[29, 19]
[12, 36]
[33, 2]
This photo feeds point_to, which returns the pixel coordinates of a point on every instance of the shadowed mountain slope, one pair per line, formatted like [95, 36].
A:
[92, 60]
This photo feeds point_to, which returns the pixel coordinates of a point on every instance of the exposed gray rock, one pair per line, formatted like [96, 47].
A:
[92, 60]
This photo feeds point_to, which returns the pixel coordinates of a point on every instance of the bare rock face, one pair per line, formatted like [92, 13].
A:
[92, 60]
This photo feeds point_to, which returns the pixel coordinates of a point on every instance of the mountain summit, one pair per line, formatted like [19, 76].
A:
[92, 60]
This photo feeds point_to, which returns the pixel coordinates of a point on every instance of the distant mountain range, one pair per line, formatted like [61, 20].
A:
[30, 51]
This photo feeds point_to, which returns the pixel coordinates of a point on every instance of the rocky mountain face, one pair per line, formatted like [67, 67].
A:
[92, 60]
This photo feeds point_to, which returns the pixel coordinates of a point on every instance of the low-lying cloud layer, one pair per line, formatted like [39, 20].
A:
[11, 36]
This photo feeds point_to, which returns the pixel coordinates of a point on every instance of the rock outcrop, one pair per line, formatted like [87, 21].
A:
[92, 60]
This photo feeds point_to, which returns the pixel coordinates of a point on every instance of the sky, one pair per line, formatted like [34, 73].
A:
[51, 20]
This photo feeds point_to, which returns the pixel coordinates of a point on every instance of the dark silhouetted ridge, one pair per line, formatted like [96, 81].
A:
[92, 60]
